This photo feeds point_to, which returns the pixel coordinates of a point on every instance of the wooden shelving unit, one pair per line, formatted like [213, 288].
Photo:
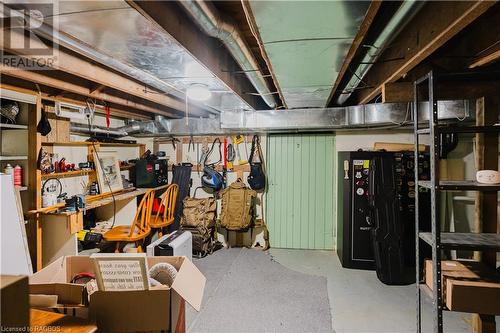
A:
[13, 126]
[76, 173]
[488, 240]
[13, 157]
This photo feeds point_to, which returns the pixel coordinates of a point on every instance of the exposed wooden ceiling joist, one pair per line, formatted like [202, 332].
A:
[80, 67]
[66, 86]
[116, 112]
[403, 91]
[489, 56]
[209, 51]
[434, 25]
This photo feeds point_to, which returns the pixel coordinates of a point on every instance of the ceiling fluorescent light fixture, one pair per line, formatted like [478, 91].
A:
[198, 92]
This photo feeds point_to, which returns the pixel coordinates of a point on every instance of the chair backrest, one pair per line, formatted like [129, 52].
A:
[168, 205]
[143, 214]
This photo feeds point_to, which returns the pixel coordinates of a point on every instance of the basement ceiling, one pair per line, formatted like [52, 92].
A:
[115, 29]
[306, 42]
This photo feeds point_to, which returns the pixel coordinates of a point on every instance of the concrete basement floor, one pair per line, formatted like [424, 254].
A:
[359, 302]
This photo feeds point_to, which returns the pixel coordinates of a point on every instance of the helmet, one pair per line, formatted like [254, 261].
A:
[10, 111]
[211, 178]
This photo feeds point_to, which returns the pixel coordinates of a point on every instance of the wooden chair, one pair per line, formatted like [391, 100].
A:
[163, 219]
[140, 227]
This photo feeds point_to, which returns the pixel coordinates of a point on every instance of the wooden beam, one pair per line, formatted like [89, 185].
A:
[372, 11]
[80, 67]
[52, 82]
[403, 91]
[486, 204]
[491, 55]
[168, 16]
[435, 24]
[119, 113]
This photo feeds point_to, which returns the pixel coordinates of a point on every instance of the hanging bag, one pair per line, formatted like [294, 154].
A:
[257, 177]
[43, 126]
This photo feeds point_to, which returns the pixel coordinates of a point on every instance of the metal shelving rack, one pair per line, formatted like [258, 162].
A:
[436, 239]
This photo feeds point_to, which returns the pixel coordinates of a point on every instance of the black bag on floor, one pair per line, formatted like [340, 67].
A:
[387, 233]
[181, 175]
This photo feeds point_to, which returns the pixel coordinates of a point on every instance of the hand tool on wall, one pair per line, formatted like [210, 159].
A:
[237, 140]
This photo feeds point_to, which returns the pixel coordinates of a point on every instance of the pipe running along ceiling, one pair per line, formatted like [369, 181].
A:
[119, 37]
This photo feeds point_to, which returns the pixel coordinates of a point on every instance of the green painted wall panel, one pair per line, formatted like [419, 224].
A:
[300, 199]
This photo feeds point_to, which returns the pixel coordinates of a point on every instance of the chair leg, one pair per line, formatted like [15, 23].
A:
[160, 233]
[117, 249]
[139, 247]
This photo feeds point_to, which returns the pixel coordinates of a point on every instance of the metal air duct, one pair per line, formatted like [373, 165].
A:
[74, 45]
[209, 20]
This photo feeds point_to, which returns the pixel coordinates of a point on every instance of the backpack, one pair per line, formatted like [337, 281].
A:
[237, 206]
[198, 217]
[199, 212]
[257, 177]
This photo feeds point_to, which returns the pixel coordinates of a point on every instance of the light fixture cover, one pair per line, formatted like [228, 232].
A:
[198, 92]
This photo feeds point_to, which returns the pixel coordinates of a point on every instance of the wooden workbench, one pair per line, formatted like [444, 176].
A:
[60, 227]
[45, 321]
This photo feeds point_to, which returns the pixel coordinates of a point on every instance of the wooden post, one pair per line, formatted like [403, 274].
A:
[486, 204]
[35, 182]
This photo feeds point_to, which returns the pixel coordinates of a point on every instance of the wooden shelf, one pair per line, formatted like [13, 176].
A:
[99, 200]
[117, 144]
[21, 188]
[76, 173]
[461, 129]
[13, 126]
[69, 143]
[13, 157]
[465, 241]
[461, 185]
[87, 143]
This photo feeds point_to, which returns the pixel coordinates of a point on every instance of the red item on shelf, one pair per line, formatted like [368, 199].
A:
[18, 175]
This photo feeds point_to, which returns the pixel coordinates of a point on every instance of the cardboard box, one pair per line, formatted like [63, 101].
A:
[473, 296]
[468, 286]
[14, 302]
[129, 311]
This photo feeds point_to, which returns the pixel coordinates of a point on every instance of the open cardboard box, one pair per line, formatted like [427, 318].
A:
[157, 309]
[467, 286]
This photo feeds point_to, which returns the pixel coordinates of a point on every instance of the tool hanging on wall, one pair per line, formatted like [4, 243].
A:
[237, 140]
[224, 164]
[230, 154]
[190, 145]
[108, 115]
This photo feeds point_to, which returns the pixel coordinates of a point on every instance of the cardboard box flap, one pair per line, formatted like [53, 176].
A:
[189, 283]
[68, 294]
[54, 272]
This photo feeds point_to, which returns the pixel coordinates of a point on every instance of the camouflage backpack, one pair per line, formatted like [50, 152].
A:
[237, 206]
